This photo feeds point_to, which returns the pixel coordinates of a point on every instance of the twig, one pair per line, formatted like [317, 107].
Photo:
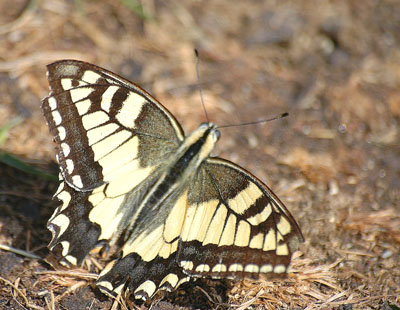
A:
[27, 303]
[18, 251]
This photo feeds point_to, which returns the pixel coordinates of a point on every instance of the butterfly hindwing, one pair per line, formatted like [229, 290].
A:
[148, 259]
[71, 220]
[226, 224]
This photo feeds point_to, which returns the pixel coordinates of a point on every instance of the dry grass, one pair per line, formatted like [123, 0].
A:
[334, 66]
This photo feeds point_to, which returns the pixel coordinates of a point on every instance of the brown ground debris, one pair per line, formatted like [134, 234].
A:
[335, 162]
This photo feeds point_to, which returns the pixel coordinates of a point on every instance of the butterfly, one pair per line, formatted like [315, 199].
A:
[132, 180]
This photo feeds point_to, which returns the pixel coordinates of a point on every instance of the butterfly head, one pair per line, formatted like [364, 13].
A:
[203, 140]
[210, 130]
[206, 136]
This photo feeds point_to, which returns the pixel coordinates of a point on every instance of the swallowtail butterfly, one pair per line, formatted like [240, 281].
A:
[130, 178]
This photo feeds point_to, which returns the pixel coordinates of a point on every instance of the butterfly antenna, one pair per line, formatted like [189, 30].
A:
[257, 122]
[196, 52]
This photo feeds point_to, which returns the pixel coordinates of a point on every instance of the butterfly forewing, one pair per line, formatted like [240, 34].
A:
[111, 137]
[129, 177]
[235, 226]
[101, 123]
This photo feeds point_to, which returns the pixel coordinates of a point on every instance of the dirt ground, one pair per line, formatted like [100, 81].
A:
[334, 66]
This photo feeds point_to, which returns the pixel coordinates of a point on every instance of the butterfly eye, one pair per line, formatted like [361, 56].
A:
[217, 134]
[204, 125]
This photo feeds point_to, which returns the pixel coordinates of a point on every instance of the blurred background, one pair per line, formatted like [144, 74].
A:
[334, 66]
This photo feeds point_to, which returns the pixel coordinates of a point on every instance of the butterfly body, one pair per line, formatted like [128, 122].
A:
[172, 180]
[130, 177]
